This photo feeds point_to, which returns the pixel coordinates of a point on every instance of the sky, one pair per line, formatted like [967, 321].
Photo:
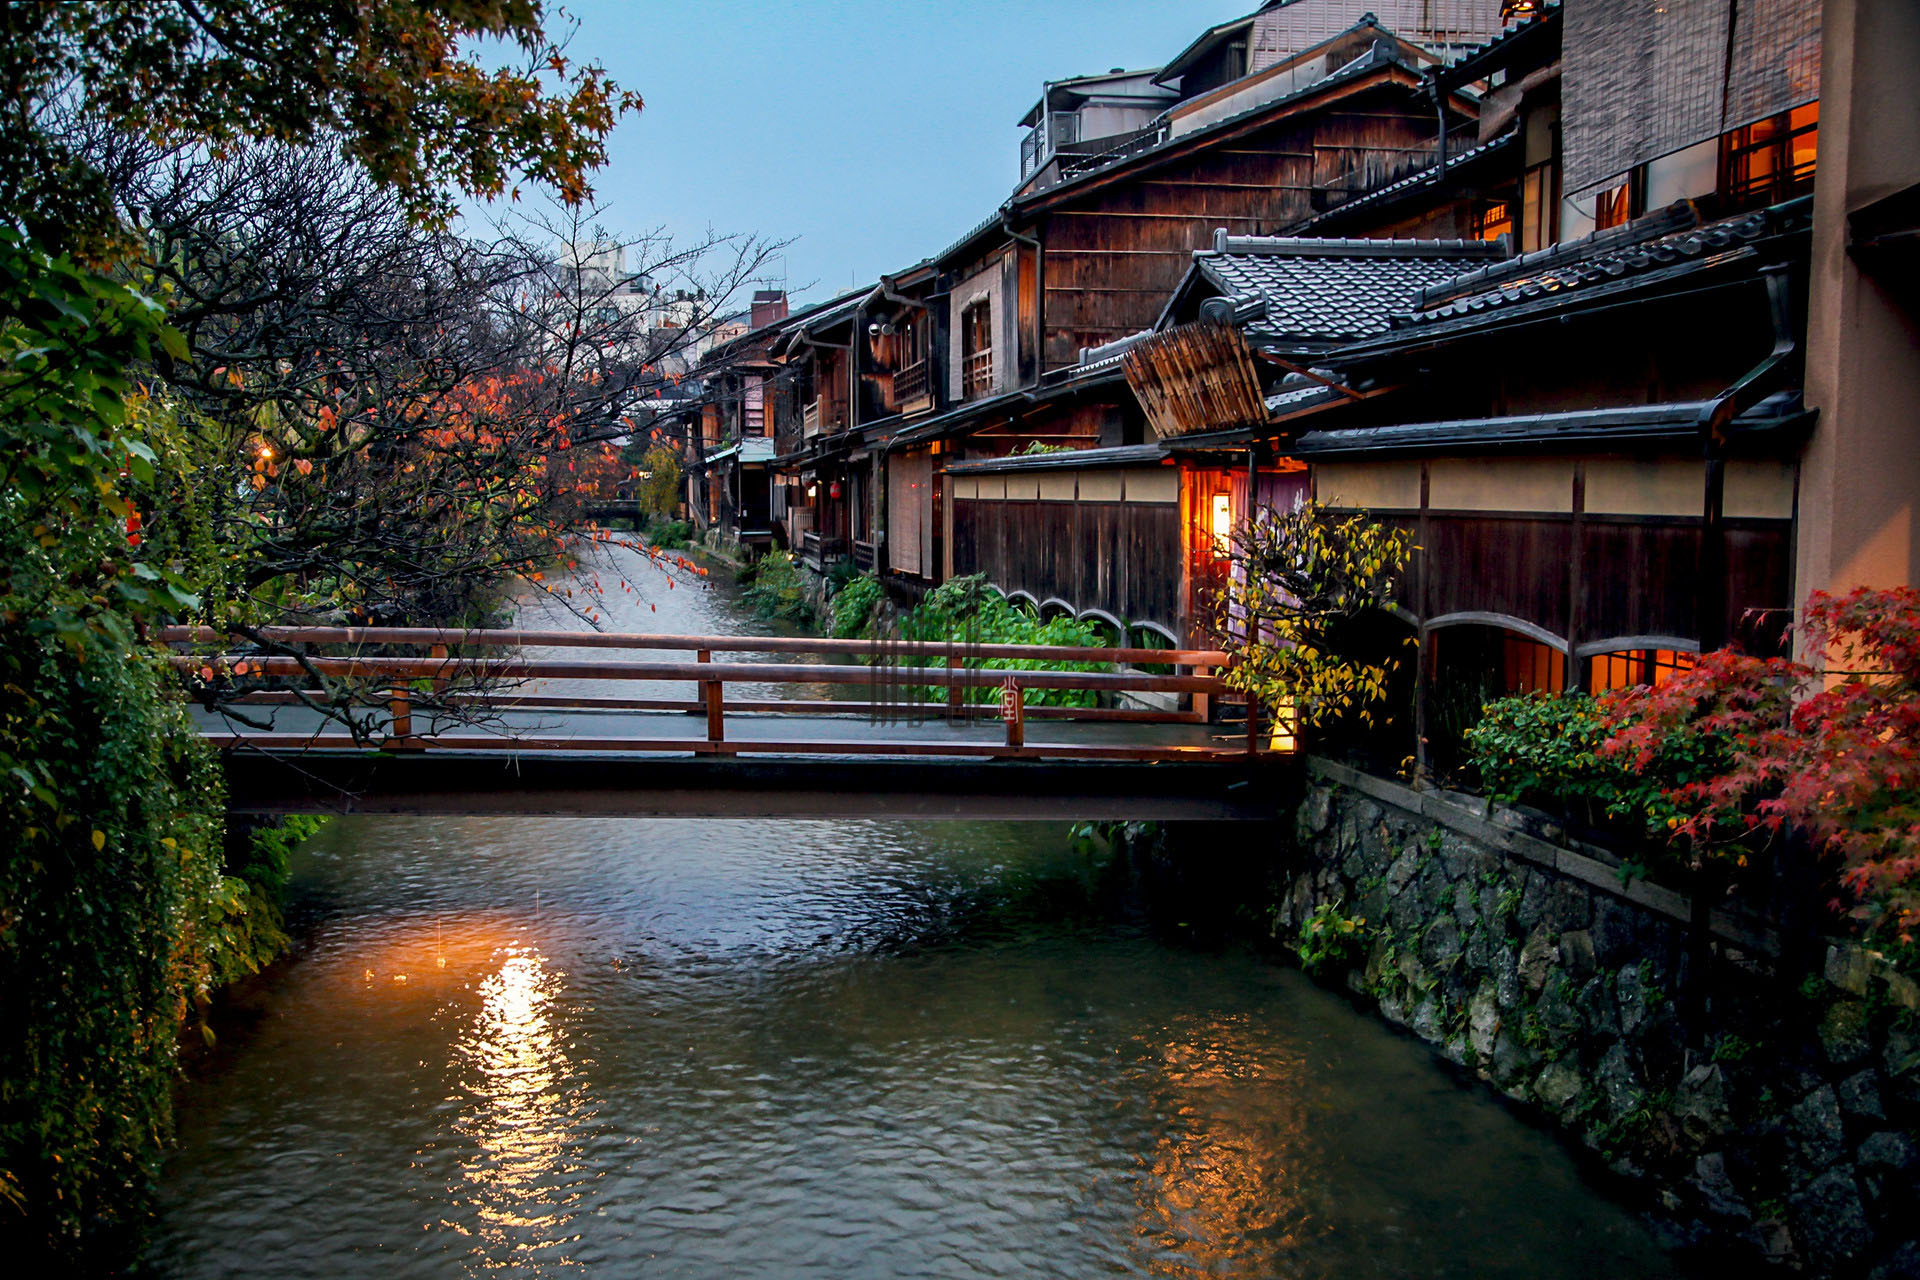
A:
[871, 133]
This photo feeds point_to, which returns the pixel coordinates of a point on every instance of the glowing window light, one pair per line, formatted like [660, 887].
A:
[1222, 519]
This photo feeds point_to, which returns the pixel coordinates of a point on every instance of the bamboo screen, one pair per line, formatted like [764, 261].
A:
[1645, 78]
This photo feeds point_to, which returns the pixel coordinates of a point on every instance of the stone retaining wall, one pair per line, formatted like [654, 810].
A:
[1533, 965]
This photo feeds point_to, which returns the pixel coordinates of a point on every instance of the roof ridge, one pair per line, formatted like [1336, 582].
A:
[1354, 247]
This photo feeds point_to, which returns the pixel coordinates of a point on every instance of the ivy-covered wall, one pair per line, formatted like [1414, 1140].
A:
[1787, 1128]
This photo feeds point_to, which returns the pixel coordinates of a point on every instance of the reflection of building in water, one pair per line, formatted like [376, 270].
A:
[1233, 1183]
[521, 1108]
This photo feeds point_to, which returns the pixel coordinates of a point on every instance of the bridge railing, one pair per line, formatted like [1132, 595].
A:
[445, 676]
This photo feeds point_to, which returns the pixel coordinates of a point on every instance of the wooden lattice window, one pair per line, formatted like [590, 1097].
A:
[976, 348]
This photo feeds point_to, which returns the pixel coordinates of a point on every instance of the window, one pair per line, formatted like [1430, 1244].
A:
[976, 349]
[1618, 205]
[1540, 206]
[1770, 160]
[1628, 667]
[1529, 666]
[1493, 220]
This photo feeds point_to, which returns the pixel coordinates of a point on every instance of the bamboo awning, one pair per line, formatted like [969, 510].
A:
[1197, 377]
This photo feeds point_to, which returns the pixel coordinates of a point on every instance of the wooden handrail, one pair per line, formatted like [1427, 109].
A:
[506, 637]
[716, 672]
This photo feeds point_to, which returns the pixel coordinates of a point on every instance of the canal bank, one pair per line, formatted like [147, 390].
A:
[1783, 1129]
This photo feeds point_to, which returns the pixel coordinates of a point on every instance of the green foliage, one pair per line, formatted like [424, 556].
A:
[776, 591]
[658, 490]
[966, 611]
[1330, 939]
[1302, 583]
[247, 930]
[854, 606]
[1548, 750]
[111, 890]
[840, 573]
[669, 535]
[386, 83]
[110, 894]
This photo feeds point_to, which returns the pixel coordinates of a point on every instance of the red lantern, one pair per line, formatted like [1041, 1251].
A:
[833, 490]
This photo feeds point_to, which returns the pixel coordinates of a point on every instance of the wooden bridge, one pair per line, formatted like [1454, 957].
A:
[424, 720]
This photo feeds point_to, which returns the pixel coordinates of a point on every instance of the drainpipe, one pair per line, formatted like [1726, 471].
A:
[1039, 295]
[1440, 110]
[1707, 884]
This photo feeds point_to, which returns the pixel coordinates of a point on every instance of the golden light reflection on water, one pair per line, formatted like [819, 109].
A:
[520, 1109]
[1227, 1189]
[515, 1091]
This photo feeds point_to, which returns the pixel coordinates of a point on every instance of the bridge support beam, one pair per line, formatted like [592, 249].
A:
[452, 782]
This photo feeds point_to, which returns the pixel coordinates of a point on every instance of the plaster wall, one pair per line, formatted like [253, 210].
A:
[1860, 478]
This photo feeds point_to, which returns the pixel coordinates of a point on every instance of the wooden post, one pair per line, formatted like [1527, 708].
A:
[1203, 703]
[1013, 709]
[1253, 724]
[953, 689]
[440, 683]
[400, 707]
[710, 694]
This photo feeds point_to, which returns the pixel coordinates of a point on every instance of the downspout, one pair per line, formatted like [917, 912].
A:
[1440, 109]
[1708, 884]
[1039, 294]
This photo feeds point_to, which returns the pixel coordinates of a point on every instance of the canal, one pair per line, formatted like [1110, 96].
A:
[535, 1046]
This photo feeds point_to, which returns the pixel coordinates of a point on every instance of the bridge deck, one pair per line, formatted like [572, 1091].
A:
[452, 782]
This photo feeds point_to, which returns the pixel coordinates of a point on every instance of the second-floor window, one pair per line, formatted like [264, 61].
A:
[1770, 160]
[976, 349]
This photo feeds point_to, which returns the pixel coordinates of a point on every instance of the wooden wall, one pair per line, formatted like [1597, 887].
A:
[1114, 252]
[1092, 551]
[1583, 577]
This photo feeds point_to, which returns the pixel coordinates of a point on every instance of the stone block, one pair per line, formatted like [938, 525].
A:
[1860, 1096]
[1512, 1059]
[1889, 1151]
[1538, 956]
[1427, 1021]
[1441, 945]
[1715, 1188]
[1401, 871]
[1816, 1138]
[1436, 891]
[1848, 968]
[1630, 998]
[1615, 932]
[1558, 1085]
[1314, 814]
[1576, 953]
[1830, 1219]
[1846, 1032]
[1536, 899]
[1596, 1007]
[1700, 1104]
[1506, 977]
[1618, 1080]
[1483, 1019]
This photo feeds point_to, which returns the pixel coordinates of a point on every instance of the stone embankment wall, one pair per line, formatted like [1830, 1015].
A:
[1790, 1131]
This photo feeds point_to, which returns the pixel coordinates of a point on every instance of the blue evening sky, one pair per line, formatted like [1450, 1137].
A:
[871, 132]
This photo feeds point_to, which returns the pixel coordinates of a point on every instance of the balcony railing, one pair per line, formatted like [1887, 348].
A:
[977, 375]
[822, 551]
[810, 419]
[910, 383]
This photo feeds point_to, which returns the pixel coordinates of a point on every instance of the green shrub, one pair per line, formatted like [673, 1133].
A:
[966, 611]
[854, 605]
[1329, 938]
[1544, 750]
[669, 535]
[776, 591]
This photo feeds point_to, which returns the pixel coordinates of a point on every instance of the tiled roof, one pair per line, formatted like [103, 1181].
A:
[1323, 290]
[1592, 260]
